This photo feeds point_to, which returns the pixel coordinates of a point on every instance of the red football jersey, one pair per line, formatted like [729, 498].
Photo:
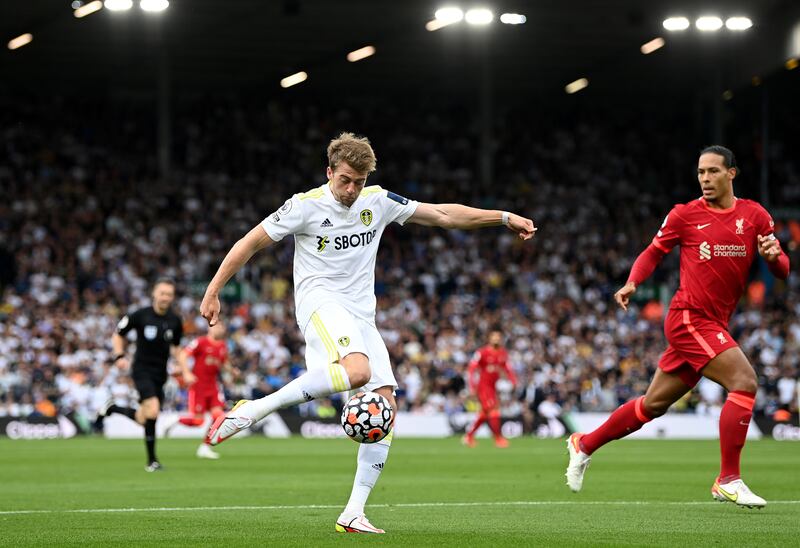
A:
[209, 356]
[489, 361]
[718, 247]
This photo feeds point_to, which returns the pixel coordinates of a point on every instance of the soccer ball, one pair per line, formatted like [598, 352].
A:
[367, 417]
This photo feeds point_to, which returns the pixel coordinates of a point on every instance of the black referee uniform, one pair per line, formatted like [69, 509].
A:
[155, 334]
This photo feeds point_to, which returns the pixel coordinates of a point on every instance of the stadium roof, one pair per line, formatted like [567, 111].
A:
[252, 44]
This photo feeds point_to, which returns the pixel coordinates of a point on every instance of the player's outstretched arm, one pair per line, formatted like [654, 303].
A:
[467, 218]
[252, 242]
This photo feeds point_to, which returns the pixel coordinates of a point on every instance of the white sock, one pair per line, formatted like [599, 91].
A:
[371, 460]
[308, 386]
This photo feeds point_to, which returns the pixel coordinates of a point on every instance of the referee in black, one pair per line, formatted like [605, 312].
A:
[158, 333]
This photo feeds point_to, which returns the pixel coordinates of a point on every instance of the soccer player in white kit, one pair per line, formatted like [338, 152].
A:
[337, 228]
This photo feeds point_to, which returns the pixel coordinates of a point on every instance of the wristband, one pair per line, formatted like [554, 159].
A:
[505, 218]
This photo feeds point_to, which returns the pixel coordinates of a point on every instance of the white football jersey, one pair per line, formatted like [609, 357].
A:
[336, 246]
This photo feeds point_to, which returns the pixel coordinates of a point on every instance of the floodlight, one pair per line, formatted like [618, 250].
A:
[118, 5]
[652, 45]
[676, 23]
[19, 41]
[479, 16]
[449, 15]
[738, 23]
[708, 23]
[87, 9]
[294, 79]
[513, 19]
[576, 86]
[361, 53]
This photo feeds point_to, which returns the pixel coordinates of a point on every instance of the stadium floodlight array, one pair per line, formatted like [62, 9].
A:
[19, 41]
[450, 15]
[150, 6]
[708, 23]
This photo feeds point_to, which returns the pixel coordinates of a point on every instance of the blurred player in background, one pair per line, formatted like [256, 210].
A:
[210, 355]
[158, 333]
[719, 236]
[337, 228]
[489, 361]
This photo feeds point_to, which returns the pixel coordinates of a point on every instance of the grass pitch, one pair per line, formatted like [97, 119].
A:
[95, 492]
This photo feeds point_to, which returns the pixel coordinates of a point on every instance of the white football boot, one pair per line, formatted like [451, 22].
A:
[578, 462]
[738, 493]
[356, 524]
[233, 422]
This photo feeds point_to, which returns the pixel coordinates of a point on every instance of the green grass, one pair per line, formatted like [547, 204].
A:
[634, 494]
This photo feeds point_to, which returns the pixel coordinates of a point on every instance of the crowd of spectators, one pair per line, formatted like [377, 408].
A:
[86, 224]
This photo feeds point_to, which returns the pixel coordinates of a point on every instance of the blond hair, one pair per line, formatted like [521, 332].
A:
[355, 151]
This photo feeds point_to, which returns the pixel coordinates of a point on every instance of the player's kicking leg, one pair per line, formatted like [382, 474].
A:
[332, 338]
[352, 372]
[371, 461]
[733, 371]
[664, 390]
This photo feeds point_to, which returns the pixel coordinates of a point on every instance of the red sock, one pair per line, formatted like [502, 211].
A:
[477, 424]
[494, 424]
[733, 423]
[627, 419]
[191, 421]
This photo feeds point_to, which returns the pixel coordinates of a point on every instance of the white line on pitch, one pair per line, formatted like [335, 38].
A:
[399, 505]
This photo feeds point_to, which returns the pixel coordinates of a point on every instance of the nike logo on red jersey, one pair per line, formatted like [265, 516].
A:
[701, 227]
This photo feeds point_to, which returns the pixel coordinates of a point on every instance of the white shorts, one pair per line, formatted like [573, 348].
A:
[333, 333]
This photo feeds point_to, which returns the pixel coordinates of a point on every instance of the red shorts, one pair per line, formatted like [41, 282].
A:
[487, 395]
[203, 399]
[693, 341]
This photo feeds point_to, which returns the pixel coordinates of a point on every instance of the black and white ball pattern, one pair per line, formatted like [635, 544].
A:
[367, 417]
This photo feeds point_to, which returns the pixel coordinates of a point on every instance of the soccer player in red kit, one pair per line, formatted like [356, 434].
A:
[210, 354]
[488, 360]
[719, 236]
